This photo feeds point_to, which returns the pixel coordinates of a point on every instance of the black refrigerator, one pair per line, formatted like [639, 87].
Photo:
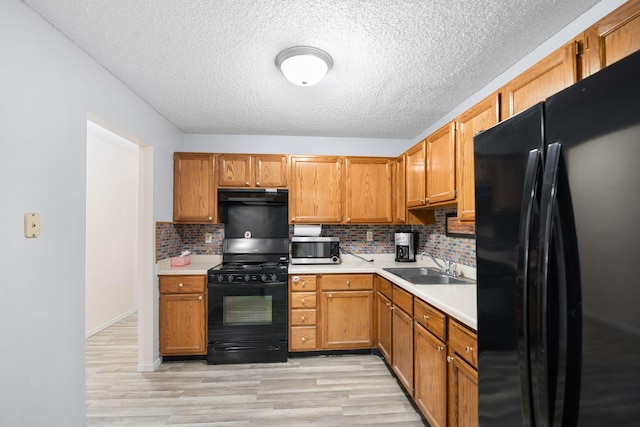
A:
[558, 258]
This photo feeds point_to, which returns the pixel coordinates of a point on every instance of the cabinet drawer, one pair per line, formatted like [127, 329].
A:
[403, 299]
[346, 282]
[303, 317]
[302, 338]
[302, 283]
[182, 284]
[384, 287]
[433, 320]
[303, 300]
[464, 342]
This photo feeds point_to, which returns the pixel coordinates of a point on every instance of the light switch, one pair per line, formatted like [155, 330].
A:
[208, 237]
[31, 224]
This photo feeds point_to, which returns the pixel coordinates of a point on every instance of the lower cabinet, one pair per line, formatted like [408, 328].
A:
[183, 315]
[303, 313]
[384, 316]
[463, 375]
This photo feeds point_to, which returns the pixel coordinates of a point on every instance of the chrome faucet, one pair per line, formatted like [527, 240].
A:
[450, 268]
[433, 258]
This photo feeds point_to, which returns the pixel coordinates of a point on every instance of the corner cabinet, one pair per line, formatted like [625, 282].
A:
[183, 315]
[315, 190]
[368, 190]
[194, 194]
[441, 165]
[252, 170]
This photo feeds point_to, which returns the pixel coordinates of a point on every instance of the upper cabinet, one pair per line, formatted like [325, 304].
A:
[441, 165]
[554, 73]
[612, 38]
[415, 176]
[315, 190]
[398, 186]
[481, 117]
[255, 170]
[368, 190]
[194, 194]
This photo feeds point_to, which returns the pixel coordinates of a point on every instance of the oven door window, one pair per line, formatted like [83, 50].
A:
[248, 310]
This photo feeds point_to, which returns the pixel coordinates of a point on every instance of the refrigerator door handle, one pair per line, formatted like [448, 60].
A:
[529, 198]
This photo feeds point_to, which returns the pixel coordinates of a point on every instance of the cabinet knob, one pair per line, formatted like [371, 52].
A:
[303, 300]
[210, 218]
[348, 282]
[439, 348]
[422, 201]
[303, 284]
[388, 304]
[468, 349]
[330, 295]
[258, 183]
[302, 318]
[303, 339]
[199, 297]
[246, 183]
[425, 317]
[180, 285]
[449, 359]
[348, 219]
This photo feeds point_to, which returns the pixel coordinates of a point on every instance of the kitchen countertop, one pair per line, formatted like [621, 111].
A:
[458, 301]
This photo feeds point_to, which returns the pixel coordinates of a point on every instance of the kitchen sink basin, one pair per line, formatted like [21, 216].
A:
[426, 276]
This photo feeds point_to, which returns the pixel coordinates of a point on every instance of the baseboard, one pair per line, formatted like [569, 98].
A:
[110, 322]
[150, 368]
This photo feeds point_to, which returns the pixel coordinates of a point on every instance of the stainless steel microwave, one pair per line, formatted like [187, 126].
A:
[315, 250]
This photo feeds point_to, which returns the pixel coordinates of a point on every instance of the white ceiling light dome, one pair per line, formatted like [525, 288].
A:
[304, 65]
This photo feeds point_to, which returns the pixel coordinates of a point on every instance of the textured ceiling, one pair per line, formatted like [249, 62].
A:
[399, 66]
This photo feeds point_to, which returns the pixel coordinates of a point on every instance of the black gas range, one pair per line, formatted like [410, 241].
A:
[248, 303]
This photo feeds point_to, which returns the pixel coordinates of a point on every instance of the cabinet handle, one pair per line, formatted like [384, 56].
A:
[199, 297]
[348, 282]
[468, 349]
[303, 300]
[303, 284]
[425, 317]
[302, 318]
[388, 304]
[449, 359]
[210, 218]
[246, 183]
[439, 348]
[303, 339]
[422, 201]
[180, 285]
[330, 295]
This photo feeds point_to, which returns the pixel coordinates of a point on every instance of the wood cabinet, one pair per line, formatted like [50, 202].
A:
[463, 375]
[612, 38]
[399, 204]
[194, 193]
[315, 191]
[303, 313]
[415, 175]
[384, 314]
[441, 165]
[402, 337]
[183, 315]
[252, 170]
[368, 190]
[480, 117]
[554, 73]
[346, 311]
[430, 361]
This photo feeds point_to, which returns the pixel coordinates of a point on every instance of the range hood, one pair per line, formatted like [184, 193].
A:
[254, 196]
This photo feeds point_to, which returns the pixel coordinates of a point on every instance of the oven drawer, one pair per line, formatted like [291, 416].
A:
[347, 282]
[182, 284]
[303, 300]
[303, 317]
[303, 338]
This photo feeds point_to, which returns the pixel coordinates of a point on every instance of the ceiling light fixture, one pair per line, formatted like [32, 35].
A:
[304, 65]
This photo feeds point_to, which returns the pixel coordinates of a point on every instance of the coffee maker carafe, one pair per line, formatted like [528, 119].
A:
[405, 249]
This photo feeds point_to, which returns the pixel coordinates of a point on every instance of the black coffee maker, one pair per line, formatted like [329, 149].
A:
[405, 247]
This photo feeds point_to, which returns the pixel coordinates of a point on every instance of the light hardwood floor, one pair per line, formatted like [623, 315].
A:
[350, 390]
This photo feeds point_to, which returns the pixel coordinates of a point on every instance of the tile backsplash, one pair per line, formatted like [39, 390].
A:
[172, 238]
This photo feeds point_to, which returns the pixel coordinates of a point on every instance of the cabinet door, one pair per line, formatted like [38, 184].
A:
[367, 190]
[270, 170]
[612, 38]
[481, 117]
[463, 393]
[441, 165]
[430, 376]
[402, 348]
[315, 194]
[193, 188]
[234, 170]
[415, 178]
[347, 320]
[399, 191]
[183, 324]
[383, 325]
[554, 73]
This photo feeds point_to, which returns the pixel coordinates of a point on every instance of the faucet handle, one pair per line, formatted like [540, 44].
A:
[453, 269]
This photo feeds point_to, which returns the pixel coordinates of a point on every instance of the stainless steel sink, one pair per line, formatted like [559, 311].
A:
[426, 276]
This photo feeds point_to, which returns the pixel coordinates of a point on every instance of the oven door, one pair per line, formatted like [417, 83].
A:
[247, 322]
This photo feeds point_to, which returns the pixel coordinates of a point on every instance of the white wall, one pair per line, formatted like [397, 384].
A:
[112, 229]
[48, 86]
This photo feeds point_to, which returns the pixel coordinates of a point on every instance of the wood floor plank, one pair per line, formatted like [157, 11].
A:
[353, 390]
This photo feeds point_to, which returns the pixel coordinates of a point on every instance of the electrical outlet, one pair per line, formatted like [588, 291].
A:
[369, 236]
[208, 238]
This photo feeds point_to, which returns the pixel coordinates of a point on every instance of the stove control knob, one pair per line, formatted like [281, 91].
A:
[220, 277]
[247, 278]
[274, 277]
[263, 277]
[230, 277]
